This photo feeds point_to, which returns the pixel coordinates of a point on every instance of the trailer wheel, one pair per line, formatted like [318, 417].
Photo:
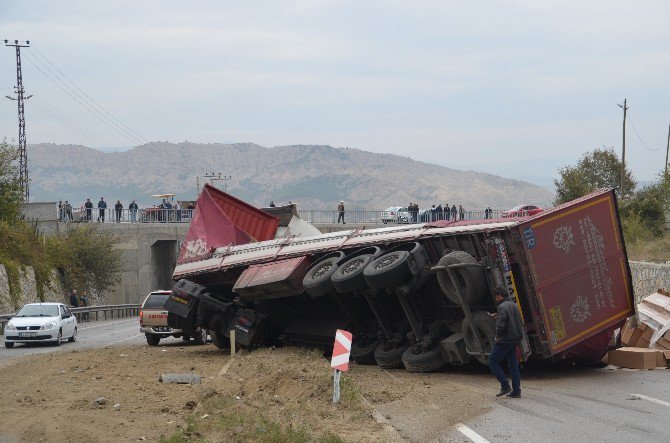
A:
[219, 340]
[486, 326]
[388, 270]
[471, 281]
[317, 280]
[200, 337]
[364, 355]
[427, 361]
[349, 276]
[389, 358]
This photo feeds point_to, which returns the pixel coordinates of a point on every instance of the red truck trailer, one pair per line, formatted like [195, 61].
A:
[418, 296]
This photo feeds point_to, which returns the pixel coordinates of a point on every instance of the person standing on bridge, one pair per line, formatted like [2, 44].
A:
[132, 208]
[340, 210]
[509, 333]
[89, 209]
[102, 205]
[118, 209]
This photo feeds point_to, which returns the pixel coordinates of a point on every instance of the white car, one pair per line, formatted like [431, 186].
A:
[41, 322]
[395, 214]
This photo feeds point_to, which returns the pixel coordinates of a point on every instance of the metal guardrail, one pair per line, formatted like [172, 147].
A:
[128, 310]
[125, 215]
[396, 217]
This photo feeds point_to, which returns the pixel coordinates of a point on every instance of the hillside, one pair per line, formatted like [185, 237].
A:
[316, 177]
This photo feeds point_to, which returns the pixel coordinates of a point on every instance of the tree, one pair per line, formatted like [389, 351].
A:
[648, 207]
[11, 196]
[600, 168]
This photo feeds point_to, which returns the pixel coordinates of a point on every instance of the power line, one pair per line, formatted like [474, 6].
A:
[638, 135]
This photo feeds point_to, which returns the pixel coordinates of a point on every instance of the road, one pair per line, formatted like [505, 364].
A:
[93, 334]
[574, 404]
[558, 403]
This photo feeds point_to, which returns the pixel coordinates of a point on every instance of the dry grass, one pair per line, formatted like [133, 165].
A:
[654, 250]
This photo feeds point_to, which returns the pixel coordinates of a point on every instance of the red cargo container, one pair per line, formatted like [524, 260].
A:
[578, 269]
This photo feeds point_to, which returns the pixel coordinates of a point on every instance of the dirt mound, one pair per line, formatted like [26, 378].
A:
[264, 395]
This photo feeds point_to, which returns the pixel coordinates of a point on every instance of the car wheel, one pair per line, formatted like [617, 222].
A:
[349, 276]
[388, 270]
[317, 280]
[486, 327]
[470, 280]
[186, 337]
[219, 340]
[9, 344]
[74, 336]
[200, 337]
[427, 361]
[389, 358]
[152, 339]
[59, 339]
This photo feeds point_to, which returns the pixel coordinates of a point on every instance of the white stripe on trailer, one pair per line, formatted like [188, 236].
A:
[472, 435]
[339, 360]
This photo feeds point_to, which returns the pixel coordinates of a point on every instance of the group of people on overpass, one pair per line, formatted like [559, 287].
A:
[166, 211]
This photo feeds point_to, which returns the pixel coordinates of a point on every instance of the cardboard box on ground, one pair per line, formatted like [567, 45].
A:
[646, 346]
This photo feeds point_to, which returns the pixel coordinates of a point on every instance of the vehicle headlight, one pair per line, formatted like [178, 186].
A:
[10, 326]
[49, 325]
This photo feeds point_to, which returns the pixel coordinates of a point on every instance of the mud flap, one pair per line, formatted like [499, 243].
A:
[182, 305]
[248, 325]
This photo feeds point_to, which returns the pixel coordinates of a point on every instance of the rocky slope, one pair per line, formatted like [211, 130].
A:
[316, 177]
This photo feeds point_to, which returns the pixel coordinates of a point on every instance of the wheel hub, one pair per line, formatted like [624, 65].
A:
[352, 266]
[322, 270]
[385, 262]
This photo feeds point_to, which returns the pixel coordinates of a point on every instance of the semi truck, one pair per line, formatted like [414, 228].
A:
[415, 296]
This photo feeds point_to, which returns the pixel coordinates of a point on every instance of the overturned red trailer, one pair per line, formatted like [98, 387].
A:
[417, 296]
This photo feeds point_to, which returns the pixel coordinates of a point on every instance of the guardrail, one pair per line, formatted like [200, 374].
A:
[125, 215]
[396, 217]
[128, 310]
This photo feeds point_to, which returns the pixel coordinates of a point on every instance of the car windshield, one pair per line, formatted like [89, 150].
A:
[156, 301]
[517, 208]
[38, 311]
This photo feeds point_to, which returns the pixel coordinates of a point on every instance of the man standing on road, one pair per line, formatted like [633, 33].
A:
[509, 333]
[74, 300]
[340, 210]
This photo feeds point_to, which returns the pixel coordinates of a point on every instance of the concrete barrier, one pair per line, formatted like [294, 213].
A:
[648, 277]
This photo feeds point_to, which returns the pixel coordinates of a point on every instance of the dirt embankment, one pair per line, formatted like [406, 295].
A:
[265, 395]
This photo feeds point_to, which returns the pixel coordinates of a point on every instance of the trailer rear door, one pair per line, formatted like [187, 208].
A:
[579, 269]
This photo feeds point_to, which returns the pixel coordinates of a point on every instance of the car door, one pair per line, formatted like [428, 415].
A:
[66, 321]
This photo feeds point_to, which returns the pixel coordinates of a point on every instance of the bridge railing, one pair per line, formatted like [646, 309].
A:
[125, 215]
[394, 217]
[127, 310]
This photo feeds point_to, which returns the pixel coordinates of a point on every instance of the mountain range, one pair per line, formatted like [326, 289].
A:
[314, 176]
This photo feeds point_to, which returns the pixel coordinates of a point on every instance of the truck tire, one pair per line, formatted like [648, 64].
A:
[317, 280]
[349, 276]
[152, 339]
[389, 270]
[427, 361]
[471, 281]
[389, 358]
[200, 337]
[186, 337]
[486, 325]
[364, 355]
[219, 340]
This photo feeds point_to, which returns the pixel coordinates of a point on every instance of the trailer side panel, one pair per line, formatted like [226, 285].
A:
[579, 269]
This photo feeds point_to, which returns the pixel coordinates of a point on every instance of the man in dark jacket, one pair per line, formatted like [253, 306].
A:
[74, 300]
[102, 205]
[89, 209]
[509, 333]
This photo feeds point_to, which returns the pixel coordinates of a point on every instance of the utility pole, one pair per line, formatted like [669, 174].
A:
[623, 146]
[667, 150]
[23, 155]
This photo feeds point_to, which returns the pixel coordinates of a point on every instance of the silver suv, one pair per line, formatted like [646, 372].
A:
[154, 324]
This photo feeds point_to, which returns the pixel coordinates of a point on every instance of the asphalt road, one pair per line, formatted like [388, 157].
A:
[93, 334]
[574, 404]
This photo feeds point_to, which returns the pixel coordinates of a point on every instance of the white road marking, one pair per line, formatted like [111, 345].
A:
[86, 328]
[122, 340]
[655, 400]
[472, 435]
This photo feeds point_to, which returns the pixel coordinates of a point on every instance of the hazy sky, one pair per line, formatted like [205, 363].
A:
[517, 88]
